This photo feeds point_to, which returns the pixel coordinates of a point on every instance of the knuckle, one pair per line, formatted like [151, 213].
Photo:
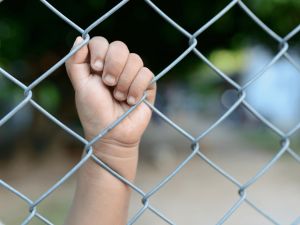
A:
[98, 47]
[99, 39]
[136, 59]
[119, 45]
[146, 74]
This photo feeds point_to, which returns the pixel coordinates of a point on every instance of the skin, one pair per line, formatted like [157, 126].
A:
[108, 80]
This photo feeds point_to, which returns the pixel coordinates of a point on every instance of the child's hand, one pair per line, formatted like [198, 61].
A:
[108, 80]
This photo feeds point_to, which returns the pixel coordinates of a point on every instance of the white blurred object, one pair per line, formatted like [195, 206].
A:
[1, 223]
[276, 94]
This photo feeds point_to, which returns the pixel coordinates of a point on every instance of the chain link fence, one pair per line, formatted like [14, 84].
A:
[192, 44]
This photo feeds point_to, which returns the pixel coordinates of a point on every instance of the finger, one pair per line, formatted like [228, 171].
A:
[151, 92]
[115, 61]
[131, 69]
[139, 85]
[77, 66]
[98, 47]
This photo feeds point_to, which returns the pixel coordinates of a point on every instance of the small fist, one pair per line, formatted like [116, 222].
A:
[108, 80]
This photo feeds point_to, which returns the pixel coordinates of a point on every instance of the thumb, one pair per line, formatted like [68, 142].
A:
[78, 65]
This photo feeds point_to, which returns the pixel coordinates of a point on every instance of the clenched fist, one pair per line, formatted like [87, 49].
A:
[108, 80]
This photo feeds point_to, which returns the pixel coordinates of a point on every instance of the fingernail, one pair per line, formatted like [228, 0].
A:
[110, 79]
[99, 64]
[131, 100]
[119, 95]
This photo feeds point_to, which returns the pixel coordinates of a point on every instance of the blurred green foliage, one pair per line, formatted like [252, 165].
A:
[29, 28]
[49, 96]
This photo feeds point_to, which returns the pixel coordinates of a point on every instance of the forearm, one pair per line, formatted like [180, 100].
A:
[100, 197]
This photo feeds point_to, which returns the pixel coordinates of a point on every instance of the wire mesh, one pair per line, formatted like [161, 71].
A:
[192, 44]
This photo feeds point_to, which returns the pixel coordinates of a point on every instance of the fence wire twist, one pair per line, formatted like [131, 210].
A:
[192, 42]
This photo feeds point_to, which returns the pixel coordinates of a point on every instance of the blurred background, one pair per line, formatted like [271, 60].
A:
[35, 153]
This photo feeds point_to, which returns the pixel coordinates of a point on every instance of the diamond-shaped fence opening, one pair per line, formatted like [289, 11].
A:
[191, 40]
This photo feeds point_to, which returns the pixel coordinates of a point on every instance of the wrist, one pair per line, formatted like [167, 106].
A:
[122, 159]
[110, 148]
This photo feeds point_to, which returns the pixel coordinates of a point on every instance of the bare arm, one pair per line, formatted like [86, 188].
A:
[100, 197]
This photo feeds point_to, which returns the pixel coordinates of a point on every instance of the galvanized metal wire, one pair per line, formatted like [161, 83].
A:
[191, 47]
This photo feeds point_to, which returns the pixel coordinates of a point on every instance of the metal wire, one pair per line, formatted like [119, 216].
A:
[192, 43]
